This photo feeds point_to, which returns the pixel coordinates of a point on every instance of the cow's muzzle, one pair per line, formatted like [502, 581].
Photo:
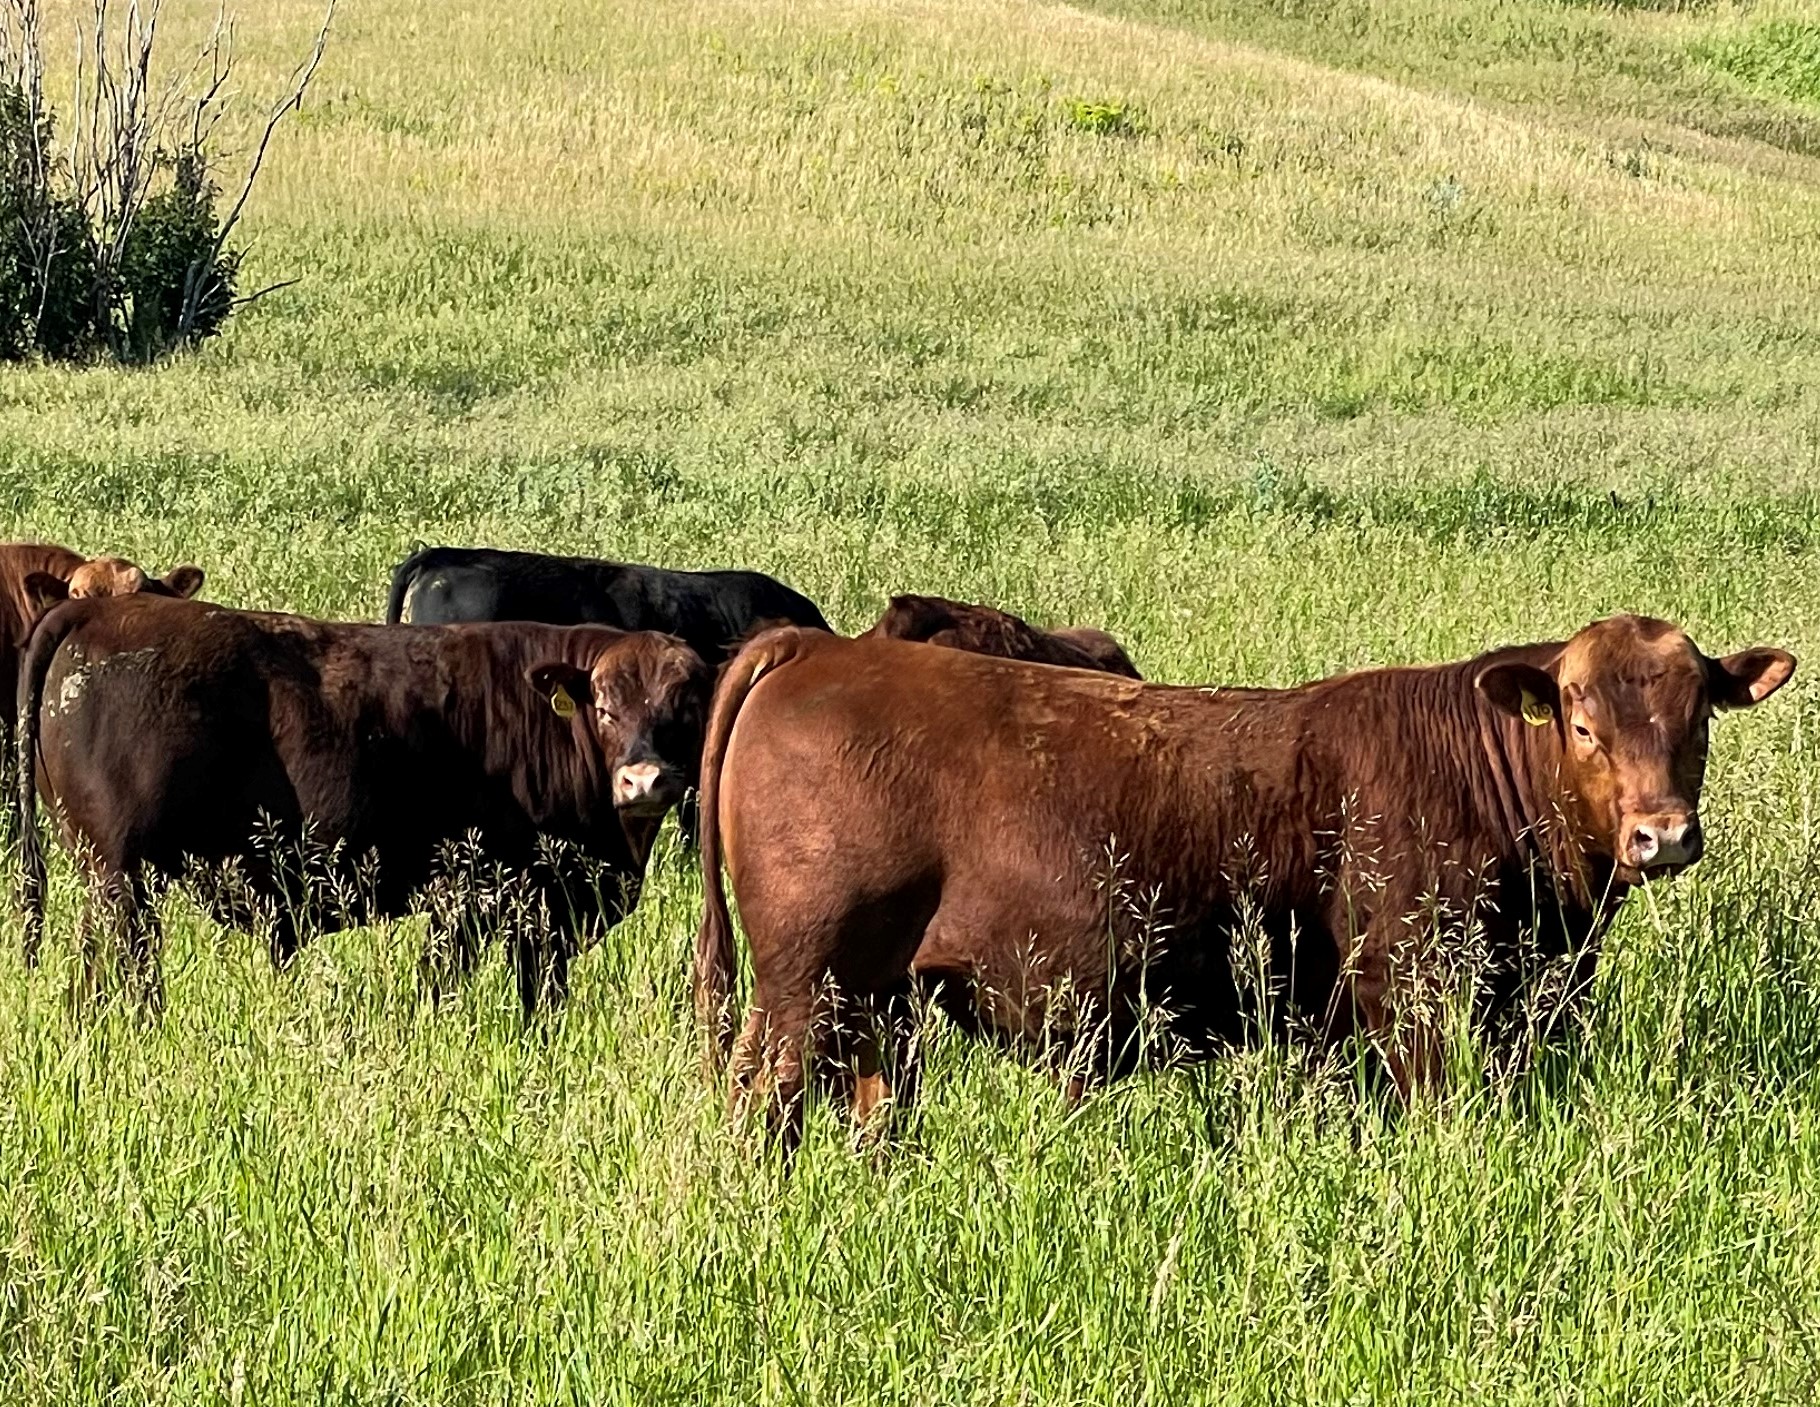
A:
[1662, 843]
[645, 789]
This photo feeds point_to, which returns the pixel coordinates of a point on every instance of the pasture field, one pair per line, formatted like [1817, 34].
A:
[1279, 339]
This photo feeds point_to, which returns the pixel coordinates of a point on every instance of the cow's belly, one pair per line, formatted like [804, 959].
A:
[1028, 955]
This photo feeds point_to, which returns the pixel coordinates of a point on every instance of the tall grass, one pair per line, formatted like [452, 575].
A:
[1284, 369]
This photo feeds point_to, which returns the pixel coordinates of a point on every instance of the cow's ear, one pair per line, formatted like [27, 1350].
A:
[564, 687]
[1748, 677]
[44, 590]
[183, 581]
[1521, 690]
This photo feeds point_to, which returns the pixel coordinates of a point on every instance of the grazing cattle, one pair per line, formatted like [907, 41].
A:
[171, 735]
[35, 576]
[711, 612]
[1058, 853]
[935, 620]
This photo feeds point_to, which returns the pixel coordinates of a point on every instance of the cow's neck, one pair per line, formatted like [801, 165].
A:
[556, 776]
[1539, 815]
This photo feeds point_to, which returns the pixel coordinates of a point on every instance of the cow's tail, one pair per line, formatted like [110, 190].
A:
[715, 960]
[49, 634]
[402, 578]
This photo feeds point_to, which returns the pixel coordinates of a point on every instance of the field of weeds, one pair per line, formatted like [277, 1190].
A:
[1278, 339]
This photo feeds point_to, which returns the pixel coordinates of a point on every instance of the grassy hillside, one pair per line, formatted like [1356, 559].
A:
[1278, 340]
[1661, 71]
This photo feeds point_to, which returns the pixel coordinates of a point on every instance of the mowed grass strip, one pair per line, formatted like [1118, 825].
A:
[1262, 340]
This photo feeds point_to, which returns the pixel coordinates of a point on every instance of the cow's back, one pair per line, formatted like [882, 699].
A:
[1100, 647]
[709, 610]
[454, 586]
[987, 630]
[154, 723]
[173, 730]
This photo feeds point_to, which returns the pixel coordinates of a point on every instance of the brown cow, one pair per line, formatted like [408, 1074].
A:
[890, 813]
[34, 576]
[935, 620]
[173, 734]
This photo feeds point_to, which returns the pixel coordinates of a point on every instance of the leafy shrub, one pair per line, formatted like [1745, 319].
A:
[113, 245]
[176, 283]
[1106, 119]
[173, 285]
[47, 269]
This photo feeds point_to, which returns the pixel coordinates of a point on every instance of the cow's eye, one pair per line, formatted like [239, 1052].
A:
[1583, 732]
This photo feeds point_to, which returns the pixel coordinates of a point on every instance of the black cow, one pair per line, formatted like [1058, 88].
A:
[709, 611]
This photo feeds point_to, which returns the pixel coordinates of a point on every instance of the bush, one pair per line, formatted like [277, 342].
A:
[115, 247]
[1106, 119]
[47, 267]
[173, 267]
[174, 284]
[1780, 57]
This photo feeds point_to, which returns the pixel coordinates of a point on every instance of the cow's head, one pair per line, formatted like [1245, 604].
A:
[644, 704]
[915, 618]
[109, 576]
[1630, 700]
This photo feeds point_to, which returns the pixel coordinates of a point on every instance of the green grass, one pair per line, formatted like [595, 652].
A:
[1777, 57]
[1279, 340]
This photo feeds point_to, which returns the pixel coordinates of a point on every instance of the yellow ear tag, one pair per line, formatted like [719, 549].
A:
[561, 703]
[1535, 712]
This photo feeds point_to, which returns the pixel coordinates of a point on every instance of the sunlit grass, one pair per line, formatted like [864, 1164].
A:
[1363, 334]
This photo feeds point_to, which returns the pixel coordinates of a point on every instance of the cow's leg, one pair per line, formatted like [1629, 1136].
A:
[880, 1054]
[688, 819]
[452, 944]
[284, 937]
[8, 768]
[556, 972]
[442, 957]
[540, 961]
[789, 1052]
[527, 967]
[1405, 1033]
[90, 979]
[456, 933]
[772, 1063]
[253, 894]
[746, 1066]
[143, 935]
[812, 954]
[120, 907]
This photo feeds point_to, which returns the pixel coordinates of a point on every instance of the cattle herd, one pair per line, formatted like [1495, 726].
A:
[1016, 828]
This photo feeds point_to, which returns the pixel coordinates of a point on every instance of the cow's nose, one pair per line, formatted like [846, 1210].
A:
[633, 782]
[1670, 839]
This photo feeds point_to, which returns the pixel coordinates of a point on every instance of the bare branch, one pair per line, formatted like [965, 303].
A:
[246, 298]
[207, 108]
[22, 69]
[291, 101]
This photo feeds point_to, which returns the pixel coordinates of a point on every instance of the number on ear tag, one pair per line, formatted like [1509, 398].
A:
[561, 703]
[1535, 712]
